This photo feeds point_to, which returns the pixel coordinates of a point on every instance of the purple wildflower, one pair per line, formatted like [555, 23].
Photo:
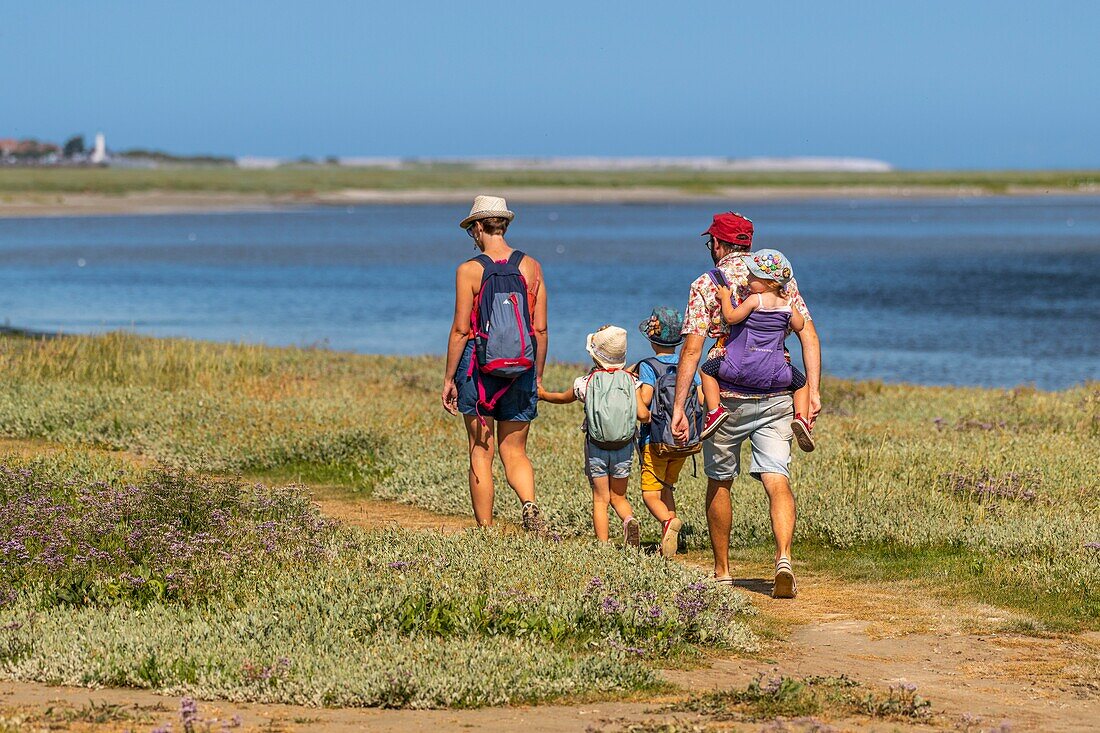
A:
[189, 713]
[611, 606]
[691, 601]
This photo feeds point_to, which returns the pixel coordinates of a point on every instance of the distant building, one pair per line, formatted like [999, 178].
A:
[255, 161]
[99, 152]
[28, 150]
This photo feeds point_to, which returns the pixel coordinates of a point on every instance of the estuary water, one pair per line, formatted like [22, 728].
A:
[978, 291]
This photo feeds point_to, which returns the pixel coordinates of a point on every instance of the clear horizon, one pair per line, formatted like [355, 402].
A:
[970, 85]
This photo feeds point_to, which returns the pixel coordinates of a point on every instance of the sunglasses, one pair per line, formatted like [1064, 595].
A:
[711, 241]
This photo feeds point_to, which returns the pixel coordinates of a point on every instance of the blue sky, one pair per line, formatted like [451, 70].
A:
[920, 84]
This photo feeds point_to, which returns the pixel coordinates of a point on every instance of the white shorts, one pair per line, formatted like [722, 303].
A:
[767, 425]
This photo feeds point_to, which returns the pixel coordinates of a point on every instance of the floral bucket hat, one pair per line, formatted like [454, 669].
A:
[663, 326]
[770, 264]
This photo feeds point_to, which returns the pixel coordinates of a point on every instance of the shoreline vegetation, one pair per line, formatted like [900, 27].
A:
[142, 484]
[105, 191]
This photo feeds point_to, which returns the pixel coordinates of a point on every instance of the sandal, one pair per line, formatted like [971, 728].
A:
[784, 586]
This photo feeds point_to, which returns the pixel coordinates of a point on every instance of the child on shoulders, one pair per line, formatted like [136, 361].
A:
[749, 358]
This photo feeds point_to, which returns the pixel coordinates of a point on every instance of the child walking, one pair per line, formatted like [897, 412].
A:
[611, 411]
[747, 357]
[661, 459]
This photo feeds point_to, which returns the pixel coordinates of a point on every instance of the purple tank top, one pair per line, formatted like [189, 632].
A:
[754, 361]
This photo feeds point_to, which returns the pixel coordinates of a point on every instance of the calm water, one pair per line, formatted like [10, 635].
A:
[979, 291]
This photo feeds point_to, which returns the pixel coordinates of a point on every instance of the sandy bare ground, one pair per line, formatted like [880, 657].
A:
[175, 202]
[957, 654]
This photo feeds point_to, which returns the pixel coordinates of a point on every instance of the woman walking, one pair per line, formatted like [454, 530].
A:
[495, 357]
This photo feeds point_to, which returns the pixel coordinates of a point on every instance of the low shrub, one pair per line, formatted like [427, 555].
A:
[171, 536]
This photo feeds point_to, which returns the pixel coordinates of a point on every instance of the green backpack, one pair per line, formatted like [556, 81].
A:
[610, 408]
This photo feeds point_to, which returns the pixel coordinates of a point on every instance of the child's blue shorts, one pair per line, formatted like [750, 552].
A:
[600, 462]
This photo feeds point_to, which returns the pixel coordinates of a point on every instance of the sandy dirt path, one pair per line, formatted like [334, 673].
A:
[877, 635]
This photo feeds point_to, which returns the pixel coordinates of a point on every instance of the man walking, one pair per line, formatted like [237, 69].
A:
[765, 419]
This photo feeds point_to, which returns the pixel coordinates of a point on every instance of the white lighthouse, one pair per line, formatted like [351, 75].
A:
[99, 153]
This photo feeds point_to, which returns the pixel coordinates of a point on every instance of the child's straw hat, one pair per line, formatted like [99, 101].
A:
[607, 347]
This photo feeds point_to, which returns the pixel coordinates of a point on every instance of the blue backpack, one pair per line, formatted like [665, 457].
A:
[504, 341]
[661, 440]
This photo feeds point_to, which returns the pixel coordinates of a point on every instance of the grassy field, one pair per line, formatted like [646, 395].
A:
[111, 560]
[306, 180]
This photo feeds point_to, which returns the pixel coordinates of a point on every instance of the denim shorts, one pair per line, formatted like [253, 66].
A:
[766, 423]
[518, 404]
[600, 462]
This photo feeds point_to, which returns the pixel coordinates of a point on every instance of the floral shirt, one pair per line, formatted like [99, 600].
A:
[703, 316]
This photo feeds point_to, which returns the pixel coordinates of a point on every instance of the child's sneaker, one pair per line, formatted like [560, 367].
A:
[803, 433]
[532, 518]
[670, 536]
[715, 418]
[632, 533]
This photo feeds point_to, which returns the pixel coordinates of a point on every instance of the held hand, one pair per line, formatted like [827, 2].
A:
[450, 397]
[681, 429]
[542, 392]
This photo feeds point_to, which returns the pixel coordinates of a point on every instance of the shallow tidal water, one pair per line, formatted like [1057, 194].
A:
[979, 291]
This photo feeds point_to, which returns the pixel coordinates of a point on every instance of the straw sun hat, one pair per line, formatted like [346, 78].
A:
[607, 347]
[487, 207]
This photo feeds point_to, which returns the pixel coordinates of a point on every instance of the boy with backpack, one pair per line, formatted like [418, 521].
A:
[660, 456]
[611, 411]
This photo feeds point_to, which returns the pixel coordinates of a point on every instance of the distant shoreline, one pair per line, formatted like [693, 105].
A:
[49, 204]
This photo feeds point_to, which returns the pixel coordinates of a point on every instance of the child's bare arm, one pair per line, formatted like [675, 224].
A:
[645, 396]
[731, 315]
[798, 322]
[557, 398]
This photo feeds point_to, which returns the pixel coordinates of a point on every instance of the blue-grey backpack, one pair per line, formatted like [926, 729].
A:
[661, 440]
[500, 322]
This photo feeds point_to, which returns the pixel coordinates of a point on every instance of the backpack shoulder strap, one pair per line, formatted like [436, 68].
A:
[484, 259]
[516, 257]
[658, 366]
[718, 277]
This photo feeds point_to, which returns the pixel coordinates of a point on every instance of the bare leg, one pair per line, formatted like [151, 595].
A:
[618, 498]
[781, 505]
[657, 506]
[712, 393]
[662, 504]
[481, 468]
[669, 498]
[601, 497]
[802, 402]
[512, 443]
[719, 519]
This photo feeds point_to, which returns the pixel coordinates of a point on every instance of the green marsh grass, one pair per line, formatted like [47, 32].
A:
[929, 480]
[310, 179]
[218, 588]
